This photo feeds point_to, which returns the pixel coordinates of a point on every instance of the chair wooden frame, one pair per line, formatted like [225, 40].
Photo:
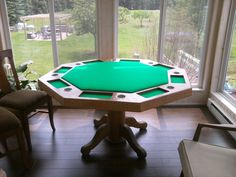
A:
[6, 88]
[224, 127]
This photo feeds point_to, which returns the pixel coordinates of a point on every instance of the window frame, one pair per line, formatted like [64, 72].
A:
[202, 66]
[199, 89]
[53, 37]
[226, 53]
[5, 30]
[163, 8]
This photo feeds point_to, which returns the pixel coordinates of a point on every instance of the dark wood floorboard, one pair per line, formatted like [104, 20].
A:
[58, 154]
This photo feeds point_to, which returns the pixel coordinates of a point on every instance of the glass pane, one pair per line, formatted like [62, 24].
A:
[185, 34]
[138, 29]
[230, 80]
[30, 47]
[75, 29]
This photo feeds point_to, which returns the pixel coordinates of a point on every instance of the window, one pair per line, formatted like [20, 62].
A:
[72, 36]
[229, 67]
[170, 31]
[185, 35]
[182, 32]
[75, 25]
[29, 44]
[138, 28]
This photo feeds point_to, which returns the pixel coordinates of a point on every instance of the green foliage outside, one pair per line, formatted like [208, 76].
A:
[84, 17]
[40, 52]
[138, 31]
[124, 14]
[140, 15]
[78, 47]
[231, 72]
[18, 8]
[133, 38]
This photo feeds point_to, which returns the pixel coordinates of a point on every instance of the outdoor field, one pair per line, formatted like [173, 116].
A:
[231, 73]
[132, 39]
[78, 47]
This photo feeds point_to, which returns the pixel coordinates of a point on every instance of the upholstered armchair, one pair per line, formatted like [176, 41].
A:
[205, 160]
[10, 126]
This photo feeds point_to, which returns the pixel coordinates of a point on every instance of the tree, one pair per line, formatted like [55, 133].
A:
[140, 15]
[16, 9]
[123, 14]
[28, 7]
[197, 13]
[150, 42]
[11, 12]
[39, 7]
[140, 4]
[84, 17]
[61, 5]
[179, 33]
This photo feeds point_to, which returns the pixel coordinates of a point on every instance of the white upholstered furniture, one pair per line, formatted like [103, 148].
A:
[205, 160]
[2, 173]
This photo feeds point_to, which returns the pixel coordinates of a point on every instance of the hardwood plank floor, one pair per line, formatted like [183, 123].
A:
[58, 154]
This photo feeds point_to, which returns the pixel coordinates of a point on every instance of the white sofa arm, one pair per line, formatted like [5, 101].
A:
[2, 173]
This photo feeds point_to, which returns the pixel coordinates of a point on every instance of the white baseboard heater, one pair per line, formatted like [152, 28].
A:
[220, 114]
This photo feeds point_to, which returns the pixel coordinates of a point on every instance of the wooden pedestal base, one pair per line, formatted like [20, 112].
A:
[116, 126]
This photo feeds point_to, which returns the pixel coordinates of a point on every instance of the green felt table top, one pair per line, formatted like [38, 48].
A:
[123, 76]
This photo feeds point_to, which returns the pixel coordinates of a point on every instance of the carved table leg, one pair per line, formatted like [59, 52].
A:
[98, 122]
[132, 122]
[101, 133]
[114, 127]
[127, 133]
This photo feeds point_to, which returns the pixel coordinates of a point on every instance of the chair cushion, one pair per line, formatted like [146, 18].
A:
[16, 112]
[8, 121]
[22, 99]
[203, 160]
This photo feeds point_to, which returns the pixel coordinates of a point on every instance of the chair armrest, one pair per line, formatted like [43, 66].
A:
[226, 127]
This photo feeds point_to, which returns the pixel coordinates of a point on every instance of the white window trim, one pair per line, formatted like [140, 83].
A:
[53, 34]
[163, 6]
[202, 67]
[217, 97]
[226, 54]
[107, 15]
[5, 25]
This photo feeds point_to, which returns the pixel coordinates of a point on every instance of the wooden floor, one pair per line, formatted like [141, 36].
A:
[58, 155]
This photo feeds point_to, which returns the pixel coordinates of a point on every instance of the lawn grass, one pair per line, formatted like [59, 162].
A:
[131, 39]
[72, 49]
[131, 36]
[231, 71]
[40, 52]
[75, 48]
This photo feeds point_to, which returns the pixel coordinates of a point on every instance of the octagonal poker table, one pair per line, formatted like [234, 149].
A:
[116, 86]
